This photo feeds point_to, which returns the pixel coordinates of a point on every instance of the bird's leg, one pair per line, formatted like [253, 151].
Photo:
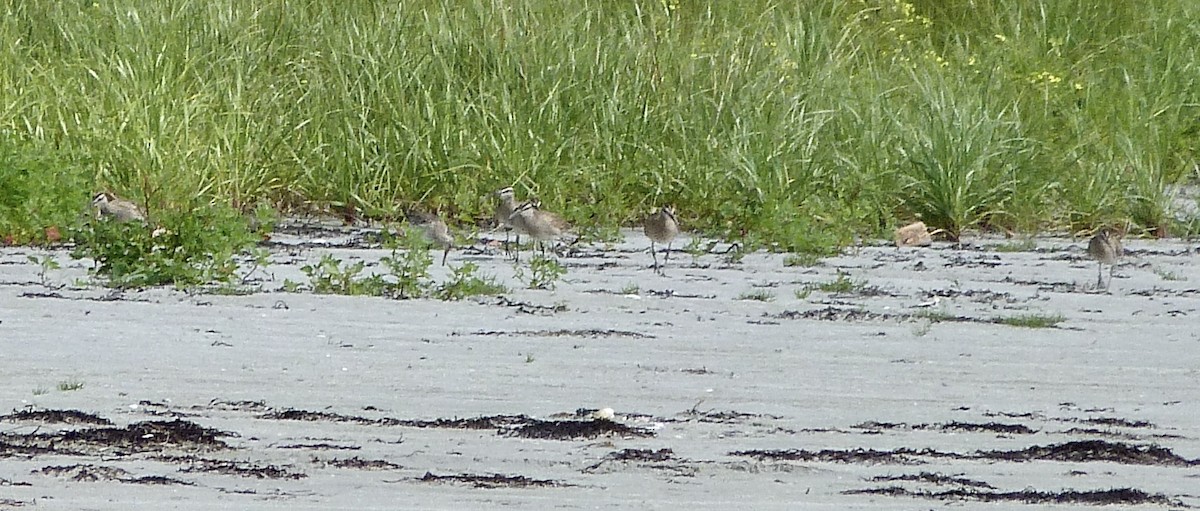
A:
[667, 257]
[654, 255]
[445, 253]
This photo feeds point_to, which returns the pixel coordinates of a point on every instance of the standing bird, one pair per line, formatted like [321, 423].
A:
[434, 229]
[505, 206]
[538, 224]
[661, 227]
[108, 205]
[1105, 247]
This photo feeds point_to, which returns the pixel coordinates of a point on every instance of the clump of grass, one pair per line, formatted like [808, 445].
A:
[1168, 275]
[1032, 320]
[544, 273]
[788, 130]
[70, 385]
[407, 274]
[630, 289]
[843, 284]
[409, 267]
[194, 246]
[465, 282]
[45, 264]
[330, 276]
[42, 194]
[760, 295]
[935, 316]
[922, 328]
[1026, 245]
[803, 259]
[291, 286]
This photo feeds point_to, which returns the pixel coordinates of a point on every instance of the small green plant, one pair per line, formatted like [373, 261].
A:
[69, 385]
[260, 259]
[630, 289]
[45, 265]
[922, 327]
[761, 295]
[1033, 320]
[40, 391]
[736, 254]
[804, 292]
[842, 284]
[529, 358]
[803, 259]
[291, 286]
[1026, 245]
[464, 282]
[1168, 275]
[696, 249]
[329, 276]
[411, 268]
[935, 316]
[186, 248]
[544, 272]
[234, 290]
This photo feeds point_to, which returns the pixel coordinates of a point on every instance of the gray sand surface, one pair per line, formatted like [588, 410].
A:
[857, 400]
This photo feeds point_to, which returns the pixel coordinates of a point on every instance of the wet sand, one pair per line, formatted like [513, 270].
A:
[905, 392]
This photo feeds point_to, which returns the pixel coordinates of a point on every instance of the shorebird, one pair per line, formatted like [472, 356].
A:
[505, 205]
[914, 235]
[1105, 247]
[435, 231]
[108, 205]
[538, 224]
[661, 227]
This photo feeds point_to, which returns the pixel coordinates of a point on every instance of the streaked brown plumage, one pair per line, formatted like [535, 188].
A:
[1105, 247]
[109, 205]
[661, 227]
[537, 223]
[434, 229]
[505, 205]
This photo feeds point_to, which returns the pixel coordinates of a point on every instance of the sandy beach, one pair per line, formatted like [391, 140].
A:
[907, 391]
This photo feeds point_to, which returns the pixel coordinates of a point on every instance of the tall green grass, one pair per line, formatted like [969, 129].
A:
[794, 124]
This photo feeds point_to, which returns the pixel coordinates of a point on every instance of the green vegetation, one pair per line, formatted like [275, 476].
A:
[1032, 320]
[805, 259]
[464, 282]
[760, 295]
[1168, 275]
[45, 264]
[935, 316]
[184, 247]
[790, 125]
[411, 268]
[842, 284]
[544, 272]
[1026, 245]
[69, 385]
[630, 289]
[407, 275]
[330, 277]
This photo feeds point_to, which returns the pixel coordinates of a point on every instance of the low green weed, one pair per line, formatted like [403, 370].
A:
[1032, 320]
[544, 272]
[183, 248]
[465, 282]
[759, 295]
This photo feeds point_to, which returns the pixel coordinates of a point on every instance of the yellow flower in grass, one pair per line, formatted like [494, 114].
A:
[1045, 77]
